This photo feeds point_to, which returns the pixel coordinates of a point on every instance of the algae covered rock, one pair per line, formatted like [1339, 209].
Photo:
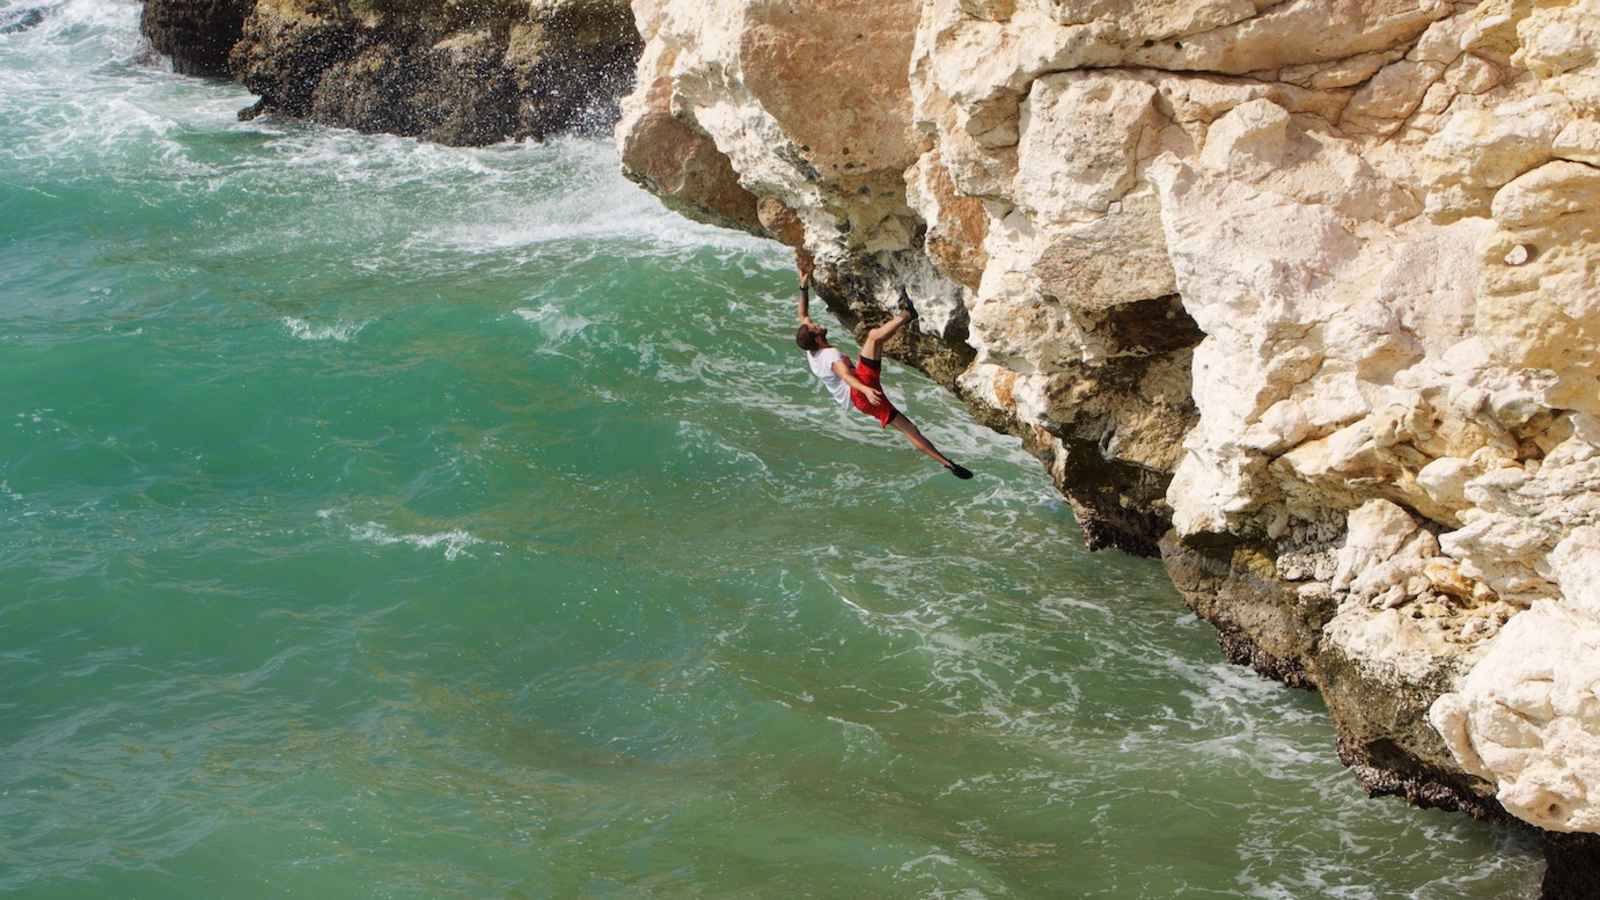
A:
[456, 73]
[197, 34]
[463, 73]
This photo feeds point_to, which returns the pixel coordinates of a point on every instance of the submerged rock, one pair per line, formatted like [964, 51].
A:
[15, 20]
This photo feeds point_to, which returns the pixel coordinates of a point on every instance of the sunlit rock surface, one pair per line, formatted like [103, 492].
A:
[1305, 293]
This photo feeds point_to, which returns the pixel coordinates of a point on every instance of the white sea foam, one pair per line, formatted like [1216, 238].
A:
[94, 20]
[556, 326]
[934, 866]
[454, 542]
[379, 160]
[93, 101]
[1225, 691]
[700, 442]
[591, 203]
[1056, 607]
[340, 331]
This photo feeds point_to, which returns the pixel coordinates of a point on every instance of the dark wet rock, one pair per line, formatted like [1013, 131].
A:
[196, 34]
[1106, 439]
[15, 20]
[1261, 621]
[1572, 867]
[1274, 626]
[460, 74]
[1386, 741]
[1383, 768]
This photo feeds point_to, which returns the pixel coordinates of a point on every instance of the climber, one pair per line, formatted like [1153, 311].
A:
[861, 386]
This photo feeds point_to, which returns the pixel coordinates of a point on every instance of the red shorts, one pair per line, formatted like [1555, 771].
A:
[869, 372]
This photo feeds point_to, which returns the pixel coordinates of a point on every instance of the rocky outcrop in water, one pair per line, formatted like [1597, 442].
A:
[469, 73]
[196, 34]
[1304, 297]
[16, 20]
[456, 73]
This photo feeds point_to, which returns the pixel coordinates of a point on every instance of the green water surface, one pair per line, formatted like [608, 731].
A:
[385, 520]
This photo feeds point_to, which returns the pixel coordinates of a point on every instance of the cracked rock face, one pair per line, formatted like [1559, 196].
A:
[1305, 293]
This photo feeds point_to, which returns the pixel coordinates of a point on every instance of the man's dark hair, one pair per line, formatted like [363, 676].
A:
[809, 338]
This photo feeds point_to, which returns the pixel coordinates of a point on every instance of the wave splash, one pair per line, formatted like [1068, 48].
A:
[454, 542]
[341, 332]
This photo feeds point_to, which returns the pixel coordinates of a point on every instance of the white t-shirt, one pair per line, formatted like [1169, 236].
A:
[822, 366]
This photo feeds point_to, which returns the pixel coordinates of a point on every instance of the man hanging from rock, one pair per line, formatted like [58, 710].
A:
[861, 386]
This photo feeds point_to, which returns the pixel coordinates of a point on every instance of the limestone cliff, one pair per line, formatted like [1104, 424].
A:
[1302, 295]
[460, 72]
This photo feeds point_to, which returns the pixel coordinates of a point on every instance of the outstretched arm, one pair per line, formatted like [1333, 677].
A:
[805, 289]
[843, 371]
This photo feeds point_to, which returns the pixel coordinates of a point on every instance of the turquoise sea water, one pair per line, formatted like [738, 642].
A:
[385, 520]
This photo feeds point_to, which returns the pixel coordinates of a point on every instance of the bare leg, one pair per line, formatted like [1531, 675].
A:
[910, 430]
[875, 338]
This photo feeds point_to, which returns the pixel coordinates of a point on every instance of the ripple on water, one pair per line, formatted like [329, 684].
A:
[341, 332]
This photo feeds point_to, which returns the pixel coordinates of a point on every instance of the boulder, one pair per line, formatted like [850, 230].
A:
[462, 74]
[197, 34]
